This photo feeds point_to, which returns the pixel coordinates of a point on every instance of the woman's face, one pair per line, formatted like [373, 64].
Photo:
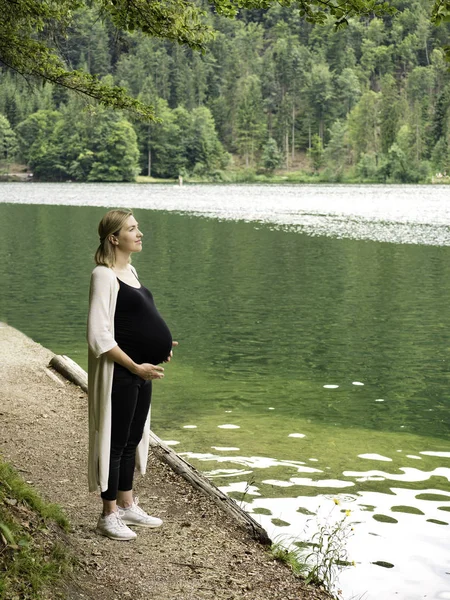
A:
[129, 238]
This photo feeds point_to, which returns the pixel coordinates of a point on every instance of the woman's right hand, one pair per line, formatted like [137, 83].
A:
[148, 372]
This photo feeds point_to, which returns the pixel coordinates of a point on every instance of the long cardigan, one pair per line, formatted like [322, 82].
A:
[100, 336]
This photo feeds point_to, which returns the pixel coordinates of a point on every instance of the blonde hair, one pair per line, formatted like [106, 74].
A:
[111, 224]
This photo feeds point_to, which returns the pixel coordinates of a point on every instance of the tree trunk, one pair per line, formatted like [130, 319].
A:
[149, 155]
[293, 133]
[418, 148]
[321, 128]
[286, 146]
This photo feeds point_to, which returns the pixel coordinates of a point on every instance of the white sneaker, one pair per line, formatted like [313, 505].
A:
[113, 527]
[134, 515]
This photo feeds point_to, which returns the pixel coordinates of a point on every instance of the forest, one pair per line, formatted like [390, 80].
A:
[273, 98]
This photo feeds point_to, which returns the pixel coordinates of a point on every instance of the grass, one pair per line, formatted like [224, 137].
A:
[30, 559]
[292, 558]
[146, 179]
[301, 174]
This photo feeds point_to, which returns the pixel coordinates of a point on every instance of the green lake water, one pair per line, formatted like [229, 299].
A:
[266, 317]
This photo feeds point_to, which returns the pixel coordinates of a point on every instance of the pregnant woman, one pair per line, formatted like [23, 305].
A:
[127, 339]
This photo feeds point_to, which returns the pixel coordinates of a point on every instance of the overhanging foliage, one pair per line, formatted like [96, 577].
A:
[30, 30]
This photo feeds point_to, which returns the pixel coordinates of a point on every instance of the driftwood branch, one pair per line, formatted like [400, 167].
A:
[72, 371]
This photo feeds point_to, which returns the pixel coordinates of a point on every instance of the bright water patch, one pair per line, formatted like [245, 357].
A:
[375, 457]
[402, 214]
[440, 454]
[405, 528]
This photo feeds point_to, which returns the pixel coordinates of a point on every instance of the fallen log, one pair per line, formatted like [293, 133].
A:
[70, 369]
[73, 372]
[200, 482]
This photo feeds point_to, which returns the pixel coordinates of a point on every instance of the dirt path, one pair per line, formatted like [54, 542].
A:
[198, 553]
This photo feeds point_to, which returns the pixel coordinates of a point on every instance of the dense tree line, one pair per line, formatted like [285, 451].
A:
[370, 101]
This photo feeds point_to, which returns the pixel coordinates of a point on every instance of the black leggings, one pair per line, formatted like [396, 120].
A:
[130, 399]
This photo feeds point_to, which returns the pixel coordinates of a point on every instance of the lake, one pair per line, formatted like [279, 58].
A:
[313, 363]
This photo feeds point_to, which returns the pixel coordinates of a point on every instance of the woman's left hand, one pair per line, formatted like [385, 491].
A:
[171, 352]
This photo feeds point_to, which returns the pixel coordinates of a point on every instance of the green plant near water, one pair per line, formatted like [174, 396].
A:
[320, 559]
[30, 560]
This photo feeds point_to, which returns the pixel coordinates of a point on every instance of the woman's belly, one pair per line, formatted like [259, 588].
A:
[151, 342]
[156, 342]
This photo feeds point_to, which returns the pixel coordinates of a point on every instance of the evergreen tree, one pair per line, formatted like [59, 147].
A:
[8, 143]
[316, 153]
[251, 126]
[271, 157]
[364, 125]
[205, 153]
[390, 112]
[336, 154]
[320, 95]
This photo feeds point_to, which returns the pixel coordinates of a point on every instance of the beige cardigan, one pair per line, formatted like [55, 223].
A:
[100, 336]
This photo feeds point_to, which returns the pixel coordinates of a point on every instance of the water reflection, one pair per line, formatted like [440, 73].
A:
[309, 368]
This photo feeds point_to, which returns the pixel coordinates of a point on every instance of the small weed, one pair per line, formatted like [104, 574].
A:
[328, 555]
[320, 559]
[243, 495]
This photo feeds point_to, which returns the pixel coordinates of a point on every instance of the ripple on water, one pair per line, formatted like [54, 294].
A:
[410, 474]
[280, 523]
[437, 522]
[262, 511]
[244, 487]
[383, 563]
[321, 483]
[375, 457]
[439, 454]
[435, 497]
[384, 518]
[412, 510]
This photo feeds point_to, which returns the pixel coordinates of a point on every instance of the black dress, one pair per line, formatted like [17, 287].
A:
[140, 331]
